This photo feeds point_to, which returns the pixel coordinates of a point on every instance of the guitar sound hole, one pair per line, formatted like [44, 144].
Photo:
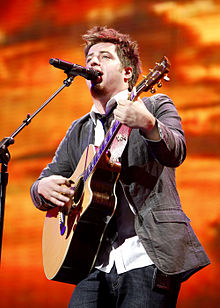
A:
[78, 190]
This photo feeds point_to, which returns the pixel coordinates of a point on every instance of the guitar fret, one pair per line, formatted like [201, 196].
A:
[101, 148]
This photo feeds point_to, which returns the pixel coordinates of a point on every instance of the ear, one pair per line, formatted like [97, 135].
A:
[127, 72]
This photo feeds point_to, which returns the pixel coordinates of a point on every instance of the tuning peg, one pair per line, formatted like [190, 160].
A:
[153, 90]
[166, 78]
[159, 85]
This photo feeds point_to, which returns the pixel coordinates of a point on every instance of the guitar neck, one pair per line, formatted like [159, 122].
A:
[110, 135]
[154, 77]
[102, 149]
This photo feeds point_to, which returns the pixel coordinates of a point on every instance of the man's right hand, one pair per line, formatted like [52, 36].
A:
[56, 189]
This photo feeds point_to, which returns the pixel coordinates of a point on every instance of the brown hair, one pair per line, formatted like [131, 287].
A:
[126, 49]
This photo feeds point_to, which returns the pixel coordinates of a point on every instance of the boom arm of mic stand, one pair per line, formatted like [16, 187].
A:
[5, 155]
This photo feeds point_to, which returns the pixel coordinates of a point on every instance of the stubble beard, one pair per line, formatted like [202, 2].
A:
[97, 90]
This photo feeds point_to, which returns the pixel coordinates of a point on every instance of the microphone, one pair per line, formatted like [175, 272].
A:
[75, 69]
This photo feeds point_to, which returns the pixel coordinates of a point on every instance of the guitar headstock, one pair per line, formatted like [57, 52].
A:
[160, 71]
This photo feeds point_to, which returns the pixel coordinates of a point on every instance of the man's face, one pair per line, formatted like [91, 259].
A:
[103, 58]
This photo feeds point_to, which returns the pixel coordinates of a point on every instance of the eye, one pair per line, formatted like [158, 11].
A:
[106, 56]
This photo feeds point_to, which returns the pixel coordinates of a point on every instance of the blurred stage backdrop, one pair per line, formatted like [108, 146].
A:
[32, 32]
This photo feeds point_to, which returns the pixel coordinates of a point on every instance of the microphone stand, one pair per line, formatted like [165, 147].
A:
[5, 155]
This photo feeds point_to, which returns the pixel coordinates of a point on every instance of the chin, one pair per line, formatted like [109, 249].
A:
[97, 88]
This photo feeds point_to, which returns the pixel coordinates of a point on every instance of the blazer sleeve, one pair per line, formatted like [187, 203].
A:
[60, 165]
[170, 150]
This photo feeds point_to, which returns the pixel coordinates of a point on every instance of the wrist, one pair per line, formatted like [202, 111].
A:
[151, 132]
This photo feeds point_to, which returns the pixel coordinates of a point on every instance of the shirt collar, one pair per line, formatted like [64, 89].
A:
[121, 95]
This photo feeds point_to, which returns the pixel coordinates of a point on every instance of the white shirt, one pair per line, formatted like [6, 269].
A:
[131, 253]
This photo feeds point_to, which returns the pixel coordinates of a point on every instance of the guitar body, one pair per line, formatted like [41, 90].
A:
[72, 235]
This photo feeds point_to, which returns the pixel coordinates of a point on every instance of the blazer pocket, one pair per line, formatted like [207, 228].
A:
[169, 215]
[169, 231]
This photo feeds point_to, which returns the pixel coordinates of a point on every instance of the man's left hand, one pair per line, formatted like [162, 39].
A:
[136, 115]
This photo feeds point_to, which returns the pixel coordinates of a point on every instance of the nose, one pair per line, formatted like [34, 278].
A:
[94, 61]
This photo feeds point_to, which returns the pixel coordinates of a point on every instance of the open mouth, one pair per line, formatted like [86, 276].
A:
[99, 78]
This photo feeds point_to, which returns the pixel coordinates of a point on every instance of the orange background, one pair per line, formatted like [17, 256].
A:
[32, 32]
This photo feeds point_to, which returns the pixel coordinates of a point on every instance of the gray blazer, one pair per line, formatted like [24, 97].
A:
[148, 178]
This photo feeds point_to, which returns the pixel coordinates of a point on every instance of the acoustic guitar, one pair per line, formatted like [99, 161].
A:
[73, 234]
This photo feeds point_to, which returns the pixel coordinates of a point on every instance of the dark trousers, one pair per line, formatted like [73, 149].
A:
[138, 288]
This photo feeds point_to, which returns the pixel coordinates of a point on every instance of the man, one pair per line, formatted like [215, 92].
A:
[149, 247]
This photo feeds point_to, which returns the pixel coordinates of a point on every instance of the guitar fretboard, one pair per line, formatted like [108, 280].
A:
[109, 137]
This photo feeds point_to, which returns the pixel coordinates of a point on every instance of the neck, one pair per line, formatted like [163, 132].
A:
[101, 102]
